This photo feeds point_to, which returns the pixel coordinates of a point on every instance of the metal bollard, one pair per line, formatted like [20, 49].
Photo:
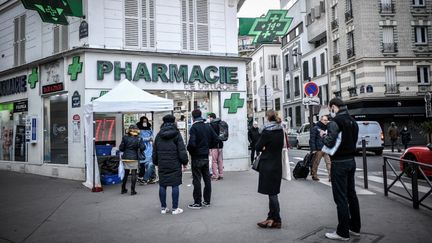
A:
[365, 174]
[385, 177]
[414, 183]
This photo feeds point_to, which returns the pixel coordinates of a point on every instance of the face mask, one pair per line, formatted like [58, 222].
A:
[144, 124]
[332, 114]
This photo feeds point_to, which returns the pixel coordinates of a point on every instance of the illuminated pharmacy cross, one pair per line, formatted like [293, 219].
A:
[275, 23]
[234, 103]
[75, 68]
[33, 78]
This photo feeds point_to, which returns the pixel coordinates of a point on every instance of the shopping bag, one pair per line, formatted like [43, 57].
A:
[332, 151]
[121, 170]
[286, 168]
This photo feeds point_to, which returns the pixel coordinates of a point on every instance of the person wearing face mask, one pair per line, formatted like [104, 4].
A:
[406, 136]
[316, 144]
[343, 168]
[253, 136]
[146, 167]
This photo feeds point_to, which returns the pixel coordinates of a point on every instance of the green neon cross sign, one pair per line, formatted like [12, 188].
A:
[55, 11]
[74, 68]
[275, 23]
[234, 103]
[33, 78]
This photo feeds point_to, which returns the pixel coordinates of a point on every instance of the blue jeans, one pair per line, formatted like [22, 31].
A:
[345, 196]
[175, 196]
[149, 170]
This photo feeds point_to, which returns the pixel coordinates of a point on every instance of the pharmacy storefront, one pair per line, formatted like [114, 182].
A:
[43, 120]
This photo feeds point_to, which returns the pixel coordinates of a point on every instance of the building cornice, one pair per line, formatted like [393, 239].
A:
[117, 51]
[377, 59]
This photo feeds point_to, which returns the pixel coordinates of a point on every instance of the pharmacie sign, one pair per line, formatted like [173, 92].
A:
[155, 72]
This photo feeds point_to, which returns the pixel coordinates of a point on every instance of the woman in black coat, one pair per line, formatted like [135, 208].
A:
[270, 168]
[169, 154]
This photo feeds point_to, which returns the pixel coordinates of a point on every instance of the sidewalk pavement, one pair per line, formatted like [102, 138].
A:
[41, 209]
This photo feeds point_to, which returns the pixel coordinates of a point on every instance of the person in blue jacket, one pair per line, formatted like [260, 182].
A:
[146, 167]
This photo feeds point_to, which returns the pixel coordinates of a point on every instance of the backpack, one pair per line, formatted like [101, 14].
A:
[223, 131]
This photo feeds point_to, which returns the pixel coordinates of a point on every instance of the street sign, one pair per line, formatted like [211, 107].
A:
[262, 93]
[311, 89]
[311, 100]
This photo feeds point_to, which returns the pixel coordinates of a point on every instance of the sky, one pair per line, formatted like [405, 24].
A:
[255, 8]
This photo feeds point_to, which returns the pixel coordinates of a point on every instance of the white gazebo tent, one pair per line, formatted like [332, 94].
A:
[124, 98]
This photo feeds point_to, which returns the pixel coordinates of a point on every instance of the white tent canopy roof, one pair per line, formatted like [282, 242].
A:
[126, 97]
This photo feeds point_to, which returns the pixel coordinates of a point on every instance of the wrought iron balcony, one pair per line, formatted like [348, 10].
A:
[336, 58]
[348, 15]
[352, 91]
[387, 8]
[338, 93]
[390, 47]
[350, 52]
[391, 89]
[334, 24]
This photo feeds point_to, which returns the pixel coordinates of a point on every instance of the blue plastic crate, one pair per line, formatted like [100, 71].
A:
[103, 150]
[110, 179]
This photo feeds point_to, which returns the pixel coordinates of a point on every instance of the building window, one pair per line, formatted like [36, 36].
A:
[418, 3]
[322, 60]
[334, 16]
[290, 115]
[350, 44]
[390, 79]
[261, 64]
[254, 68]
[277, 104]
[314, 67]
[56, 129]
[387, 7]
[298, 116]
[19, 40]
[255, 89]
[348, 13]
[388, 39]
[12, 133]
[261, 81]
[420, 35]
[288, 90]
[295, 60]
[336, 52]
[338, 83]
[140, 23]
[275, 81]
[286, 62]
[306, 70]
[423, 74]
[61, 38]
[353, 78]
[297, 86]
[195, 24]
[274, 62]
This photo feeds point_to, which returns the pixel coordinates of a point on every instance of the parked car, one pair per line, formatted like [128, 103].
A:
[373, 134]
[422, 154]
[303, 136]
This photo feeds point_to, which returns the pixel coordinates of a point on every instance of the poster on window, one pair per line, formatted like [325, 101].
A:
[76, 129]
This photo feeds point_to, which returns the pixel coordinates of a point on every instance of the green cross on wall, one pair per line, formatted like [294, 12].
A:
[275, 23]
[74, 68]
[233, 103]
[33, 78]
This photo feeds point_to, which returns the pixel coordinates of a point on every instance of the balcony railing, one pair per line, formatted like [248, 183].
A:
[391, 89]
[348, 15]
[297, 93]
[336, 58]
[350, 52]
[387, 8]
[334, 24]
[352, 91]
[295, 66]
[337, 93]
[390, 47]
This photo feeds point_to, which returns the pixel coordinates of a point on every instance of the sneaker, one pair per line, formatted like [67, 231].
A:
[195, 206]
[220, 178]
[177, 211]
[315, 178]
[214, 178]
[206, 204]
[164, 210]
[354, 233]
[141, 181]
[335, 236]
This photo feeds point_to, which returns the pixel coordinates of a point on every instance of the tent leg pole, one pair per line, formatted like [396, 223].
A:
[94, 162]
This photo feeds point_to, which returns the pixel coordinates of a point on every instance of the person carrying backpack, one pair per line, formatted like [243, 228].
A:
[216, 148]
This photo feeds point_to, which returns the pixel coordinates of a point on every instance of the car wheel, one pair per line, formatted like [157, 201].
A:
[407, 168]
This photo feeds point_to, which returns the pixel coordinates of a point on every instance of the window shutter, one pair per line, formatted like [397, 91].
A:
[305, 70]
[22, 39]
[191, 26]
[202, 25]
[278, 64]
[16, 41]
[152, 38]
[184, 24]
[269, 65]
[388, 34]
[64, 37]
[131, 23]
[144, 22]
[56, 39]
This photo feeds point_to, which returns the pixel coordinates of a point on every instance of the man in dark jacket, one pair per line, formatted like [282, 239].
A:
[316, 144]
[201, 135]
[343, 170]
[253, 136]
[216, 149]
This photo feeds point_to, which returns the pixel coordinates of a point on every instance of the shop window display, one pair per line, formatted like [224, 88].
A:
[12, 133]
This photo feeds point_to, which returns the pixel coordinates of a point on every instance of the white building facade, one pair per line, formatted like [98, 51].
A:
[183, 50]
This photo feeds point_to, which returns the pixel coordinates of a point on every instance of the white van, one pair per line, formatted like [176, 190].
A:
[373, 134]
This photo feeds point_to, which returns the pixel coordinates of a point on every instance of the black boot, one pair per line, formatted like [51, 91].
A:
[125, 178]
[133, 182]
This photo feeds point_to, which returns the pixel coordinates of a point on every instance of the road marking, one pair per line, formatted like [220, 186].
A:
[299, 158]
[359, 190]
[380, 180]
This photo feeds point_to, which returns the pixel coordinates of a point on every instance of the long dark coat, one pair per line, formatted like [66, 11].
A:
[169, 153]
[270, 166]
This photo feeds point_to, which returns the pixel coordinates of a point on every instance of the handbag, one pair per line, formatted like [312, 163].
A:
[255, 165]
[332, 151]
[286, 168]
[121, 170]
